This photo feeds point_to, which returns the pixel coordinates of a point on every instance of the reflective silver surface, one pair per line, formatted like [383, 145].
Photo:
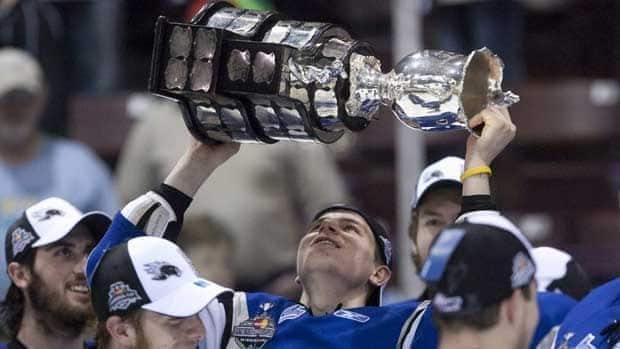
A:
[176, 74]
[205, 44]
[429, 90]
[239, 21]
[264, 67]
[293, 124]
[201, 76]
[280, 120]
[224, 121]
[180, 42]
[238, 65]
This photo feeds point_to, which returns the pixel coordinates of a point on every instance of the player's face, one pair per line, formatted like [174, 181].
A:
[438, 209]
[161, 331]
[339, 242]
[57, 289]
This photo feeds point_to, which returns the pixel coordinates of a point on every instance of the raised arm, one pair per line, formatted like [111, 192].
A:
[498, 131]
[159, 212]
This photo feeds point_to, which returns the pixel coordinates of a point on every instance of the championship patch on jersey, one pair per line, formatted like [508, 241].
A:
[20, 239]
[121, 296]
[255, 332]
[351, 315]
[291, 313]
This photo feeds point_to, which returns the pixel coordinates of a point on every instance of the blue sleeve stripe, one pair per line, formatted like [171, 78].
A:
[119, 231]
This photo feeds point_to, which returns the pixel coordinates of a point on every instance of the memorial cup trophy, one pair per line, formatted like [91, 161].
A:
[252, 77]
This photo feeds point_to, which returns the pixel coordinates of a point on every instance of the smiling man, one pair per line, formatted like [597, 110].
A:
[48, 304]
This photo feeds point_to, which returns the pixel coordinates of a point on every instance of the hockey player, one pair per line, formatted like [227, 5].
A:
[594, 323]
[452, 187]
[343, 264]
[480, 275]
[47, 304]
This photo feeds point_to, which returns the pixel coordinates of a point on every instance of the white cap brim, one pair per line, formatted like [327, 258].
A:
[96, 221]
[187, 300]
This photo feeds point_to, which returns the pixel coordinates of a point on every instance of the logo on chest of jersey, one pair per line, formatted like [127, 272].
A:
[585, 343]
[255, 332]
[351, 315]
[291, 313]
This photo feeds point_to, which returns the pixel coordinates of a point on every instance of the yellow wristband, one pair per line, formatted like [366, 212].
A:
[476, 171]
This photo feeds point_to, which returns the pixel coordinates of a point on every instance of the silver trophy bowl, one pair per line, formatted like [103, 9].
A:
[430, 90]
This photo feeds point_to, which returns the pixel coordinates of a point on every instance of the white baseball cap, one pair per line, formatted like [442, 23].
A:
[559, 272]
[446, 170]
[49, 221]
[19, 70]
[149, 273]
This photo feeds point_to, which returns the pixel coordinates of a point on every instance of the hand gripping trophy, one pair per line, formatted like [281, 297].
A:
[252, 77]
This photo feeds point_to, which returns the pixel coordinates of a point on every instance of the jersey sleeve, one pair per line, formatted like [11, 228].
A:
[157, 213]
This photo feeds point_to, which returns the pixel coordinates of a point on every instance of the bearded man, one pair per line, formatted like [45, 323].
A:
[48, 303]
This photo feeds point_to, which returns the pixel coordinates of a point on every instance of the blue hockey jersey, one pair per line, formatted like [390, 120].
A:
[594, 323]
[263, 319]
[552, 308]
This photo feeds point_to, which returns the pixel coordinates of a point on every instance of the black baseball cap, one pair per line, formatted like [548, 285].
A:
[476, 264]
[380, 234]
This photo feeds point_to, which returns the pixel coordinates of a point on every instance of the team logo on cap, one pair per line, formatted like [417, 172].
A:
[447, 304]
[20, 239]
[434, 174]
[162, 270]
[121, 296]
[523, 270]
[45, 214]
[254, 333]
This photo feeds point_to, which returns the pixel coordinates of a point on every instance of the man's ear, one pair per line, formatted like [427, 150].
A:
[121, 331]
[297, 280]
[19, 274]
[380, 276]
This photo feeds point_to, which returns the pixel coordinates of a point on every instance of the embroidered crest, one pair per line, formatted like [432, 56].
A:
[291, 313]
[523, 270]
[254, 333]
[351, 315]
[162, 270]
[121, 296]
[20, 239]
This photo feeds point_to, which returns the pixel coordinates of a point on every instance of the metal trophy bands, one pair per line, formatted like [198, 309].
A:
[251, 76]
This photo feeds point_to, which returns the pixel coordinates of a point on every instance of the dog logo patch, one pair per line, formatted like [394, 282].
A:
[162, 270]
[47, 213]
